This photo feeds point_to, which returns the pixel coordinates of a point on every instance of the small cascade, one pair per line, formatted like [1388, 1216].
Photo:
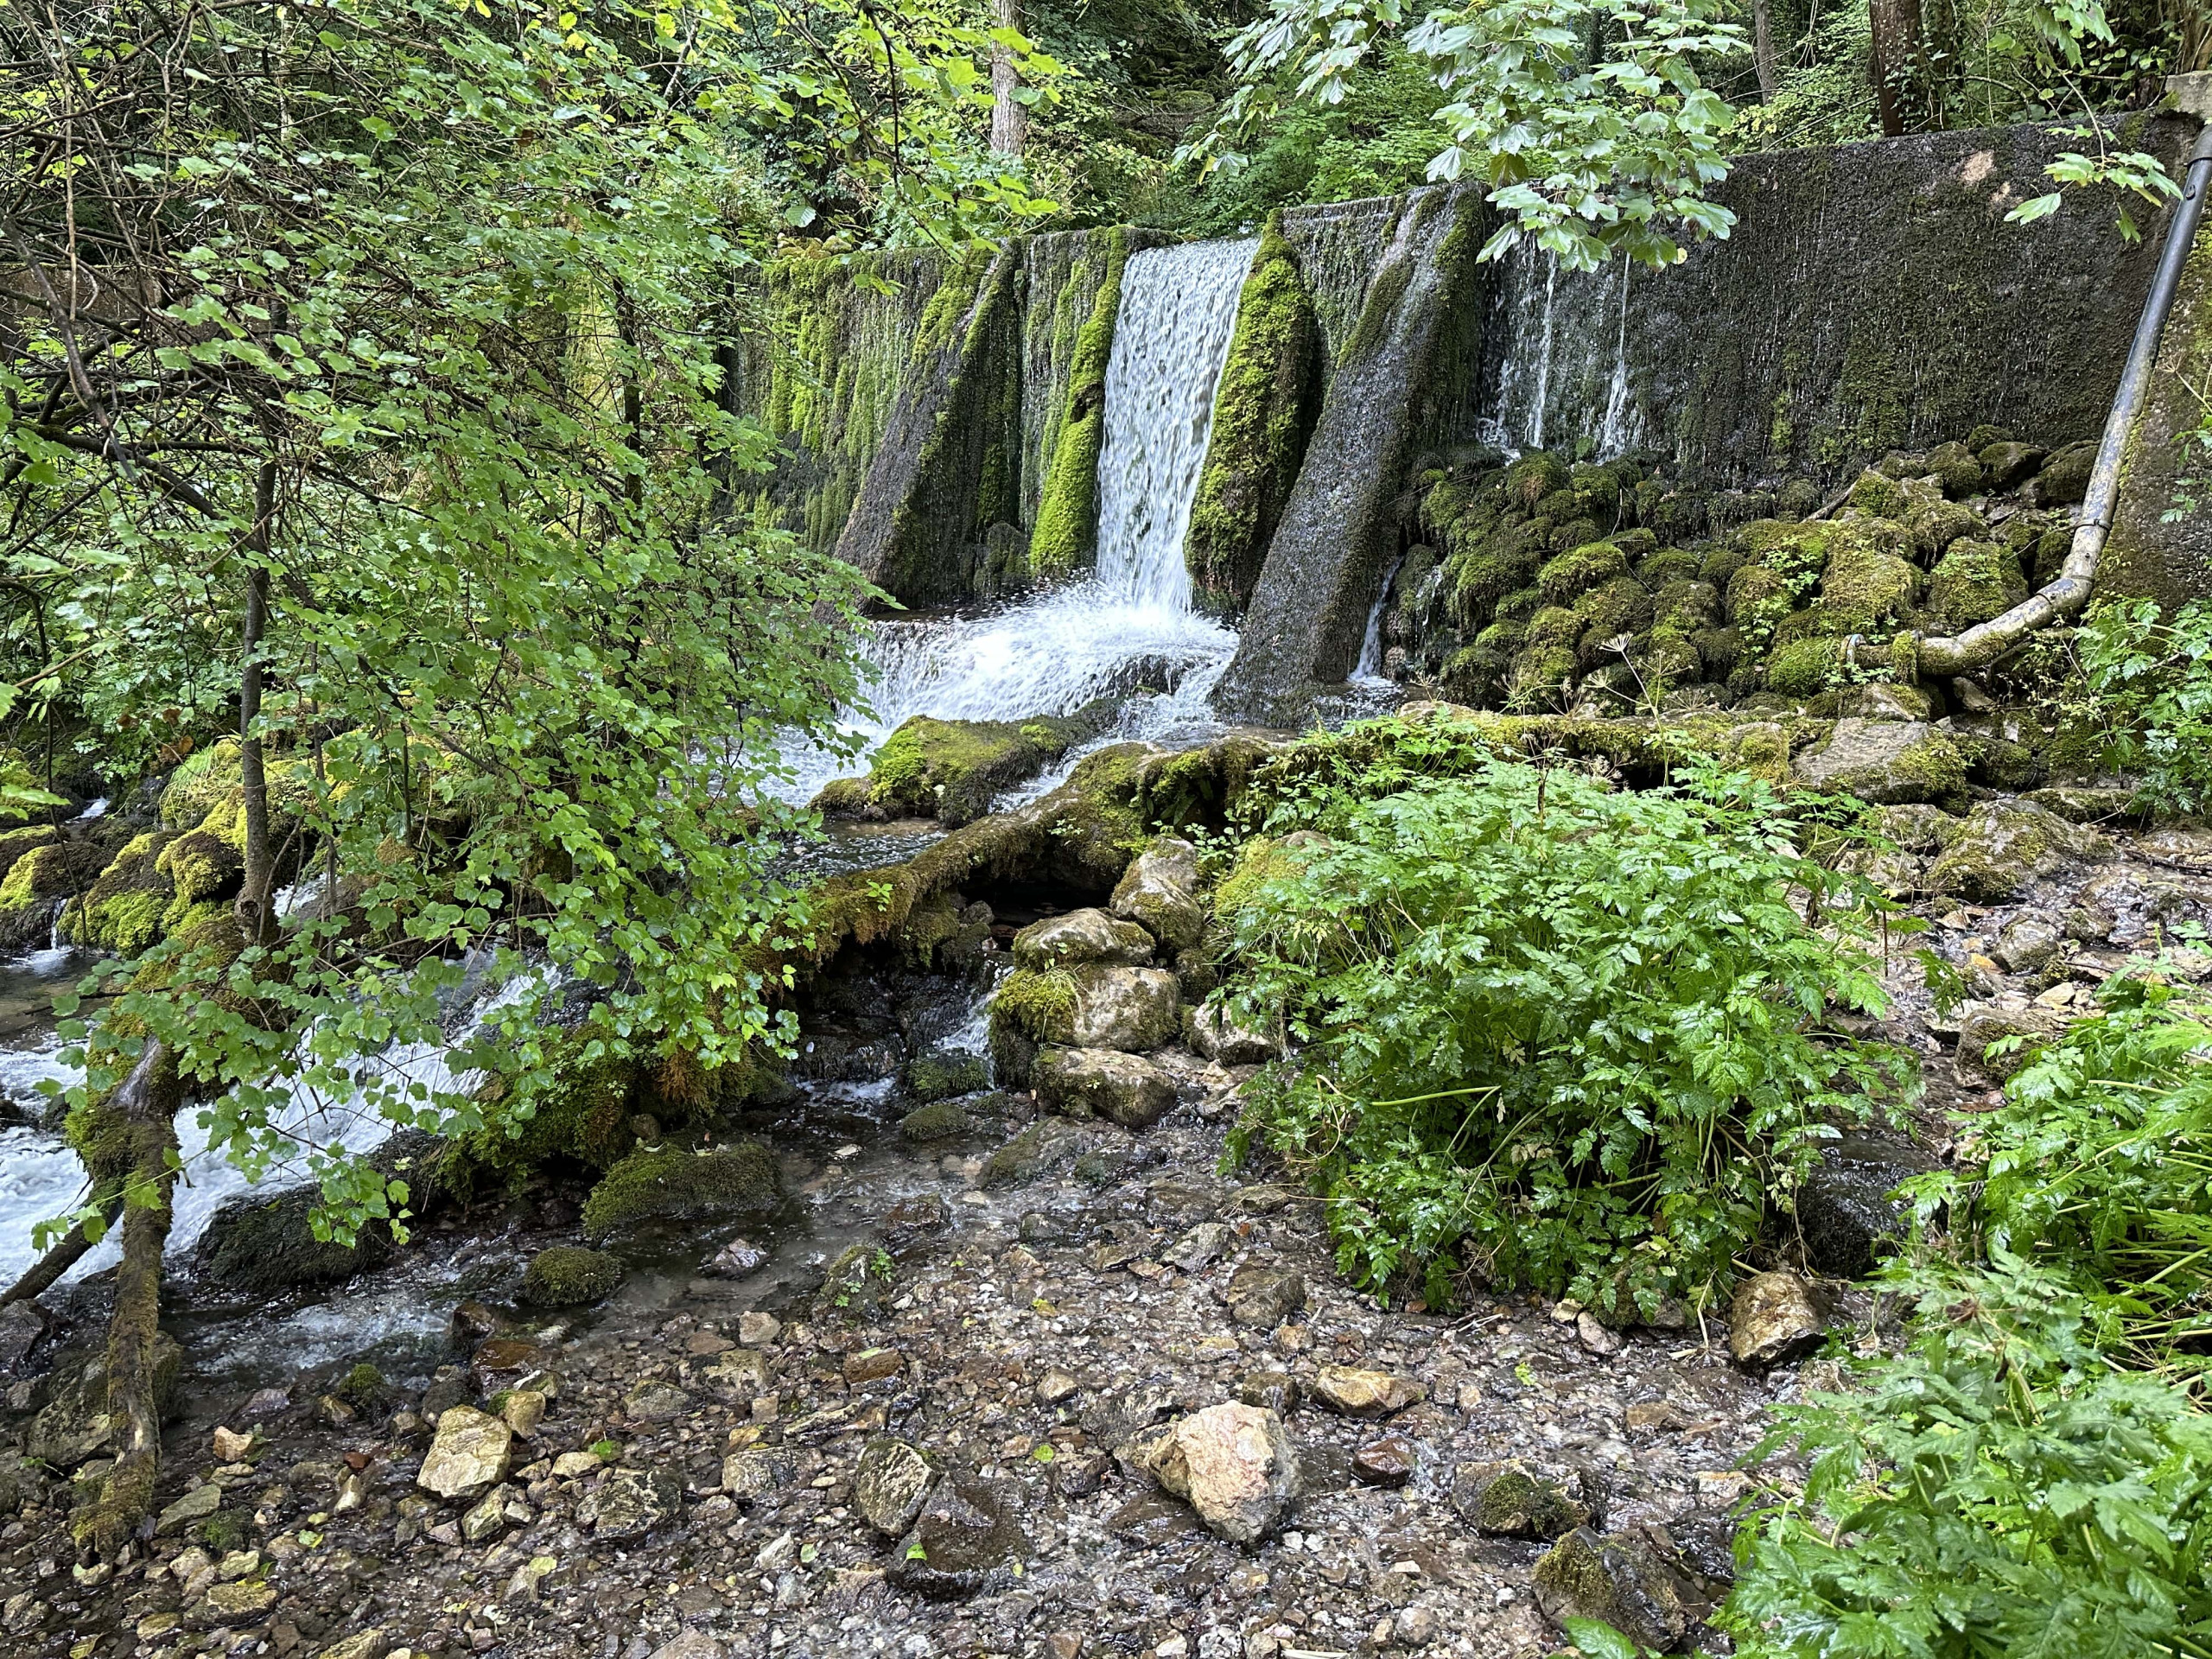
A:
[1561, 379]
[1178, 308]
[1129, 633]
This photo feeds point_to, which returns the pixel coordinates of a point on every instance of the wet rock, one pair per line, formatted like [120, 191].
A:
[1359, 1393]
[1619, 1579]
[2007, 466]
[2004, 844]
[758, 1329]
[689, 1645]
[1504, 1500]
[1152, 1519]
[910, 1223]
[2021, 1029]
[1132, 1009]
[472, 1323]
[1844, 1207]
[738, 1259]
[197, 1504]
[737, 1377]
[1235, 1466]
[668, 1183]
[631, 1502]
[1080, 938]
[1771, 1318]
[2028, 944]
[1217, 1034]
[231, 1447]
[655, 1402]
[1275, 1391]
[486, 1519]
[566, 1277]
[21, 1325]
[74, 1424]
[1262, 1297]
[1386, 1461]
[258, 1246]
[1887, 761]
[947, 1072]
[758, 1471]
[228, 1604]
[945, 1120]
[890, 1483]
[1597, 1337]
[1124, 1089]
[1056, 1387]
[1160, 890]
[857, 1287]
[522, 1411]
[966, 1531]
[1049, 1146]
[467, 1456]
[1203, 1245]
[873, 1365]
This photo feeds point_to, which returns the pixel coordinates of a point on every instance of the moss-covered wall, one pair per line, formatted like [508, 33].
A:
[1065, 535]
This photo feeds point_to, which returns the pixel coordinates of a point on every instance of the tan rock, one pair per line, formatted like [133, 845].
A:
[1359, 1393]
[469, 1455]
[1234, 1465]
[1771, 1318]
[231, 1447]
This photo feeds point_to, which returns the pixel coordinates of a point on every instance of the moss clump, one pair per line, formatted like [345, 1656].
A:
[1580, 569]
[1036, 1003]
[670, 1183]
[124, 910]
[1065, 535]
[842, 796]
[1621, 605]
[201, 779]
[1864, 583]
[1687, 604]
[201, 865]
[1541, 678]
[578, 1110]
[1804, 668]
[1263, 411]
[1554, 627]
[944, 1120]
[1975, 582]
[950, 770]
[1532, 477]
[940, 1077]
[1516, 1504]
[364, 1388]
[567, 1276]
[1879, 496]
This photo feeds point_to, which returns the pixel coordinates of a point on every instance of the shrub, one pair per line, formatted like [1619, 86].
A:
[1996, 1489]
[1565, 1036]
[2151, 678]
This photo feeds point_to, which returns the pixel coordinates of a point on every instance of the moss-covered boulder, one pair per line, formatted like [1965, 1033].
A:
[566, 1276]
[669, 1182]
[2003, 846]
[1617, 1580]
[1080, 937]
[1263, 410]
[1888, 762]
[1805, 667]
[1973, 582]
[260, 1245]
[1578, 570]
[123, 911]
[2064, 479]
[33, 883]
[577, 1109]
[944, 1074]
[951, 770]
[942, 1120]
[1865, 582]
[1160, 892]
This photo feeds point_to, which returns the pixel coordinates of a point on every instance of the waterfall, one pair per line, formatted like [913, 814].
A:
[1130, 630]
[1178, 308]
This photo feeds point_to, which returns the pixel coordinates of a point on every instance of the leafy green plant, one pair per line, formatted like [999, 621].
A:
[1567, 1036]
[2150, 679]
[1998, 1488]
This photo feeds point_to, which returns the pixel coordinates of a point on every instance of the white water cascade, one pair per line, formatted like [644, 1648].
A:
[1132, 622]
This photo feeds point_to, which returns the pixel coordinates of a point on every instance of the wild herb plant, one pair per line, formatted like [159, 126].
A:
[1570, 1038]
[2150, 675]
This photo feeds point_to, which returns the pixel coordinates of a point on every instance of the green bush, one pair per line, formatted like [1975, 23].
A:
[1566, 1037]
[2150, 680]
[1998, 1489]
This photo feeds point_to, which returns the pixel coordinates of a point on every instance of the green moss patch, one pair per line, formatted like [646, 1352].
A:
[669, 1182]
[567, 1276]
[1065, 535]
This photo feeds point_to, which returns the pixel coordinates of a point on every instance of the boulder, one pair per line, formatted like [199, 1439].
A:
[567, 1276]
[260, 1245]
[965, 1534]
[1772, 1318]
[1263, 1297]
[1619, 1579]
[1504, 1500]
[467, 1456]
[1159, 891]
[1124, 1089]
[1080, 938]
[1053, 1145]
[1359, 1393]
[1887, 761]
[1133, 1009]
[630, 1502]
[2004, 844]
[890, 1484]
[1845, 1206]
[1983, 1026]
[943, 1120]
[2064, 479]
[670, 1183]
[1235, 1466]
[1217, 1034]
[74, 1424]
[950, 770]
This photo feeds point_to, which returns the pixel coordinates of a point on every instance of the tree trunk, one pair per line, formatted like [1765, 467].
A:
[253, 907]
[1009, 118]
[147, 1102]
[1897, 44]
[1763, 49]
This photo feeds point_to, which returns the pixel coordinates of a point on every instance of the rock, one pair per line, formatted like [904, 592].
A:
[890, 1483]
[566, 1277]
[1617, 1580]
[467, 1456]
[737, 1377]
[1204, 1244]
[524, 1410]
[1152, 1519]
[2028, 944]
[1263, 1297]
[1416, 1627]
[74, 1424]
[965, 1531]
[873, 1365]
[738, 1259]
[1771, 1318]
[911, 1222]
[1596, 1335]
[227, 1604]
[231, 1447]
[1504, 1500]
[655, 1402]
[2003, 845]
[1081, 938]
[1235, 1466]
[486, 1518]
[574, 1466]
[1983, 1026]
[631, 1502]
[668, 1183]
[939, 1076]
[1277, 1391]
[262, 1245]
[1216, 1034]
[197, 1504]
[2007, 466]
[856, 1286]
[371, 1643]
[1056, 1387]
[1844, 1206]
[22, 1324]
[1160, 890]
[951, 770]
[1386, 1461]
[1124, 1089]
[1052, 1145]
[944, 1120]
[1887, 762]
[1357, 1393]
[1132, 1009]
[759, 1330]
[689, 1645]
[758, 1471]
[2064, 479]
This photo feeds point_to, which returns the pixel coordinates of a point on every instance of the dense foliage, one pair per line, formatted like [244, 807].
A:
[1570, 1037]
[2150, 678]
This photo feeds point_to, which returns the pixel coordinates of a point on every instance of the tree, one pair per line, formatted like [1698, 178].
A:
[360, 388]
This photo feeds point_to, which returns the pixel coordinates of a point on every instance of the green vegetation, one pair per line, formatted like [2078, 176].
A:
[2150, 683]
[670, 1183]
[565, 1277]
[1566, 1037]
[1066, 532]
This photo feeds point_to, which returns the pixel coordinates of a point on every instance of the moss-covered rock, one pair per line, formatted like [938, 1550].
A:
[1888, 762]
[2002, 846]
[1621, 605]
[1534, 476]
[1263, 410]
[262, 1245]
[577, 1109]
[1034, 1007]
[200, 865]
[942, 1075]
[1580, 569]
[1079, 938]
[1879, 496]
[670, 1183]
[566, 1277]
[123, 911]
[942, 1120]
[1975, 580]
[1066, 533]
[1865, 583]
[950, 770]
[1804, 668]
[32, 885]
[2064, 479]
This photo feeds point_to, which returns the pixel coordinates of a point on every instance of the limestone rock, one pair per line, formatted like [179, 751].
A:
[1263, 1297]
[197, 1504]
[758, 1471]
[1217, 1034]
[1124, 1089]
[1159, 891]
[1771, 1318]
[1887, 762]
[890, 1483]
[655, 1402]
[467, 1456]
[738, 1376]
[2003, 845]
[1133, 1009]
[1235, 1466]
[1081, 938]
[1983, 1026]
[1054, 1144]
[1359, 1393]
[631, 1502]
[965, 1532]
[738, 1259]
